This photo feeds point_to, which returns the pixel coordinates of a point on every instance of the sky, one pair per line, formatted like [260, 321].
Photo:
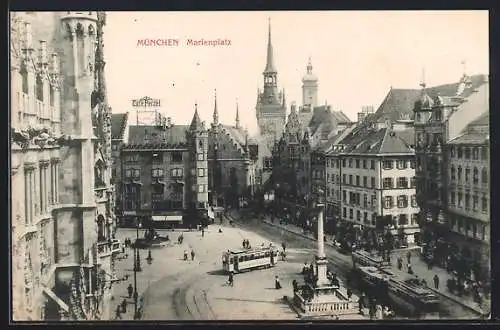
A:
[356, 55]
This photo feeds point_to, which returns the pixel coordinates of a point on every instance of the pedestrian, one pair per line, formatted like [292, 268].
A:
[424, 282]
[349, 293]
[202, 232]
[304, 269]
[124, 306]
[192, 254]
[118, 312]
[400, 263]
[283, 255]
[295, 286]
[231, 279]
[408, 256]
[277, 283]
[185, 255]
[410, 270]
[283, 245]
[130, 290]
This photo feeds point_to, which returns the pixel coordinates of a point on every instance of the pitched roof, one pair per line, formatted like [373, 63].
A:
[144, 134]
[474, 136]
[383, 141]
[118, 125]
[400, 102]
[483, 119]
[324, 121]
[196, 121]
[238, 134]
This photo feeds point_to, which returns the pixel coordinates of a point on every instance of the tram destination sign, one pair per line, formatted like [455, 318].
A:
[146, 102]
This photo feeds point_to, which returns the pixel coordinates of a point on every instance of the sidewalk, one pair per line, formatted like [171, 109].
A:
[419, 266]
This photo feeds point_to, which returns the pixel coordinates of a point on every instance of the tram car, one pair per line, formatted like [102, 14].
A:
[246, 260]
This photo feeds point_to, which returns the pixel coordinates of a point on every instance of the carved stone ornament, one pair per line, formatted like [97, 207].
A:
[40, 136]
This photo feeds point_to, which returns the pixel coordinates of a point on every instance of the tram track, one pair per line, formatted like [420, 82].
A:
[342, 266]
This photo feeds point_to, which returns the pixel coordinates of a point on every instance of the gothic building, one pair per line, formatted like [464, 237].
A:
[60, 149]
[271, 104]
[293, 162]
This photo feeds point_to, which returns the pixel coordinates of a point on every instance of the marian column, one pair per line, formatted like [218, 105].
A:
[321, 261]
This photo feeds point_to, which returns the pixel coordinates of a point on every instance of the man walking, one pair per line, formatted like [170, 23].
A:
[130, 290]
[436, 282]
[192, 254]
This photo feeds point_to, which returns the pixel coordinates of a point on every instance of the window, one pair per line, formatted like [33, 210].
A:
[387, 164]
[337, 178]
[484, 203]
[452, 173]
[201, 188]
[201, 156]
[357, 180]
[402, 201]
[413, 182]
[387, 183]
[467, 201]
[467, 174]
[459, 173]
[344, 162]
[388, 202]
[157, 158]
[177, 172]
[484, 176]
[344, 178]
[157, 173]
[358, 215]
[403, 219]
[357, 163]
[344, 213]
[402, 182]
[157, 196]
[475, 153]
[365, 165]
[373, 182]
[475, 202]
[344, 196]
[372, 164]
[131, 158]
[365, 200]
[414, 201]
[350, 179]
[484, 153]
[452, 198]
[467, 153]
[365, 217]
[459, 152]
[351, 213]
[350, 162]
[365, 181]
[201, 172]
[459, 200]
[401, 164]
[452, 152]
[176, 157]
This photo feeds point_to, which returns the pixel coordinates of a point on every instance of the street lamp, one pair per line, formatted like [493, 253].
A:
[137, 268]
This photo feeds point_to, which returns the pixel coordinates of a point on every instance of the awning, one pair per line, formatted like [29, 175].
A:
[58, 300]
[166, 218]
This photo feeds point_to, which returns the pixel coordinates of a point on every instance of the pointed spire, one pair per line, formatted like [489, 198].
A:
[237, 123]
[216, 112]
[284, 99]
[422, 83]
[196, 122]
[270, 59]
[309, 66]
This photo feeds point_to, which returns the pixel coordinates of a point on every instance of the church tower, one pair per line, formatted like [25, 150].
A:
[309, 87]
[270, 108]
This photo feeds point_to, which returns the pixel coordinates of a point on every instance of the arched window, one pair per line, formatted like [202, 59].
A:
[453, 173]
[459, 173]
[467, 153]
[484, 176]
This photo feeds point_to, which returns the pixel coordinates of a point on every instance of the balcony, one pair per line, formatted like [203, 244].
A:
[107, 248]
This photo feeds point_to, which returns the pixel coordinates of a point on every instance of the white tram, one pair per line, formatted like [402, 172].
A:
[241, 260]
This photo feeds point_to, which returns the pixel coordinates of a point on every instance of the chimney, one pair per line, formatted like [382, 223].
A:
[43, 52]
[54, 63]
[28, 37]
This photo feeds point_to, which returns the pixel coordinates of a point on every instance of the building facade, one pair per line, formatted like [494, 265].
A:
[441, 114]
[468, 170]
[271, 103]
[376, 169]
[164, 174]
[118, 139]
[61, 191]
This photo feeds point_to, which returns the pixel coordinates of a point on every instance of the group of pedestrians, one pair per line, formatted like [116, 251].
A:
[186, 255]
[246, 244]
